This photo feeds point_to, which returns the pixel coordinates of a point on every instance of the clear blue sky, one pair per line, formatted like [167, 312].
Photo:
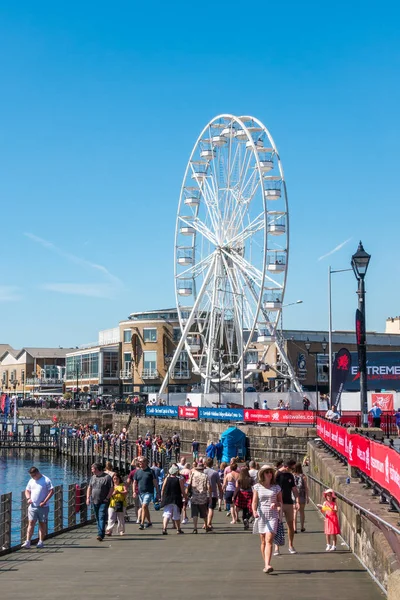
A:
[101, 104]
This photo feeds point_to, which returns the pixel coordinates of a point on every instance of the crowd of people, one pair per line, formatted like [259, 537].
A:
[261, 497]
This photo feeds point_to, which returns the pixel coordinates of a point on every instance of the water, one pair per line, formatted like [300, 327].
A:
[14, 476]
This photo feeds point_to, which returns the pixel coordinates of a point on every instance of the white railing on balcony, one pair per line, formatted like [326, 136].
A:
[43, 381]
[150, 374]
[125, 374]
[181, 375]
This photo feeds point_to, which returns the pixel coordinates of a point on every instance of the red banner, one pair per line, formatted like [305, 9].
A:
[384, 401]
[306, 417]
[379, 462]
[188, 412]
[360, 453]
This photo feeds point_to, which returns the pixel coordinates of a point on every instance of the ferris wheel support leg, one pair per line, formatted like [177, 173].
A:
[188, 325]
[210, 350]
[291, 371]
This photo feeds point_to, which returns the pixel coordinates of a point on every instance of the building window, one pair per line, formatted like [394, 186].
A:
[74, 366]
[150, 389]
[323, 368]
[149, 363]
[127, 358]
[85, 366]
[177, 334]
[110, 364]
[181, 370]
[150, 335]
[127, 336]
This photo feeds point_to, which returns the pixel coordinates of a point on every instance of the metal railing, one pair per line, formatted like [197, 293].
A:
[125, 374]
[43, 381]
[150, 374]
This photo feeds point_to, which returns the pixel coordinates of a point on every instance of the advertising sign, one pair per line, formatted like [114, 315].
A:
[222, 414]
[306, 417]
[383, 371]
[340, 371]
[188, 412]
[162, 411]
[384, 401]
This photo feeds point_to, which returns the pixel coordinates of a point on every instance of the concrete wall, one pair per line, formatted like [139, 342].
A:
[265, 444]
[368, 542]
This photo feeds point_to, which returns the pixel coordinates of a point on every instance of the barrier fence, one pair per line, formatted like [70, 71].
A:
[378, 462]
[247, 415]
[277, 416]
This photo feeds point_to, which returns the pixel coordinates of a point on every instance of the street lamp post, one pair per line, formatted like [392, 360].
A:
[315, 354]
[285, 306]
[359, 262]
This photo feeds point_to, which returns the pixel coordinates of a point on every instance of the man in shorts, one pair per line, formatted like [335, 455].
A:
[200, 487]
[285, 480]
[215, 490]
[146, 482]
[38, 493]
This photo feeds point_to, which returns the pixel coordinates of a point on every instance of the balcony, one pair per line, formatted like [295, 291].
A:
[150, 374]
[125, 374]
[43, 381]
[181, 374]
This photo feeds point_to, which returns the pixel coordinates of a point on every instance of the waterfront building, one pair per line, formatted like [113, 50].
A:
[148, 342]
[93, 369]
[32, 371]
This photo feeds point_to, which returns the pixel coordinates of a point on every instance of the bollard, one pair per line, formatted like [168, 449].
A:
[5, 521]
[83, 506]
[24, 517]
[58, 508]
[71, 505]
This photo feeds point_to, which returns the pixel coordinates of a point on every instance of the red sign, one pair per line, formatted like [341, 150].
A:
[188, 412]
[384, 401]
[379, 462]
[360, 453]
[306, 417]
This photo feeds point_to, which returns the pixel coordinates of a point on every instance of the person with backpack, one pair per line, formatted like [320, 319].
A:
[302, 488]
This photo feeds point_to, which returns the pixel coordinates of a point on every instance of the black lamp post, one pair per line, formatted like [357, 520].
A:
[315, 353]
[359, 262]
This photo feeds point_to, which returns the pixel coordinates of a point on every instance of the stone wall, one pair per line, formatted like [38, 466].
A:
[265, 444]
[367, 540]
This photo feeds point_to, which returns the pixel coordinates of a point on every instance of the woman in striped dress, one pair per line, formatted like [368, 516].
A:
[267, 502]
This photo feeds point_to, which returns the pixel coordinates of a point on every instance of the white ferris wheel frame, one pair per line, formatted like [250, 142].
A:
[208, 265]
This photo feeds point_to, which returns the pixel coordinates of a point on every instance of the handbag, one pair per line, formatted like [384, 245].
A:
[279, 538]
[119, 506]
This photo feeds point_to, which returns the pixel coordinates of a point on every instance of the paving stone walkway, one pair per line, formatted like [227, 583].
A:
[146, 565]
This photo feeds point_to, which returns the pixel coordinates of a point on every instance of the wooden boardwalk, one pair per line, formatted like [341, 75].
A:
[221, 565]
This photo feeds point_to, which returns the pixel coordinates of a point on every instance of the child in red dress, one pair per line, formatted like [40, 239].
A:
[332, 528]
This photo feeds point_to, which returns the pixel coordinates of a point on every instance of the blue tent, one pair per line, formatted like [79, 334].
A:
[234, 441]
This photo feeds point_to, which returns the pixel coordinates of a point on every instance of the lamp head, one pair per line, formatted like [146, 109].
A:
[308, 345]
[360, 261]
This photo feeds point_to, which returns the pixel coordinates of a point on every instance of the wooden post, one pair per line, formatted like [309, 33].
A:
[58, 508]
[71, 505]
[5, 521]
[83, 507]
[24, 517]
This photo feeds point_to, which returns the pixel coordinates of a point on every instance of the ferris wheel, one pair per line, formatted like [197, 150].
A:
[231, 247]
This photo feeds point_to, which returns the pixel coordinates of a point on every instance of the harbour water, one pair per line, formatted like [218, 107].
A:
[14, 476]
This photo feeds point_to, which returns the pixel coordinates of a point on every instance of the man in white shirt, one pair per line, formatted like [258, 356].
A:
[38, 493]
